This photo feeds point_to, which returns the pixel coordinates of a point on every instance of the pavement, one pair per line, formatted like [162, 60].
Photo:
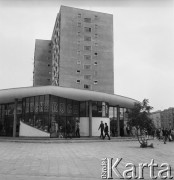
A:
[62, 140]
[77, 161]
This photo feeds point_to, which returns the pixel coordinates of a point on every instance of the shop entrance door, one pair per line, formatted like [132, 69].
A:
[8, 126]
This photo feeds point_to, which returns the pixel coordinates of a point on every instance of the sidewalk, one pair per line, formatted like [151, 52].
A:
[63, 140]
[76, 161]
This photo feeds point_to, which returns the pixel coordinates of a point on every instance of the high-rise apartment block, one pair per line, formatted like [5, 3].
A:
[80, 53]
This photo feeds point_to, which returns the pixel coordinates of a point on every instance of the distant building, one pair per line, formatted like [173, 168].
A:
[80, 53]
[163, 119]
[156, 117]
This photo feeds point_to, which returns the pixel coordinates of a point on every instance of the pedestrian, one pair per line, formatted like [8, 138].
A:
[165, 135]
[106, 132]
[68, 130]
[77, 130]
[101, 127]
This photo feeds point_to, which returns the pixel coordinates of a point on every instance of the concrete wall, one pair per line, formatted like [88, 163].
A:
[28, 131]
[42, 63]
[72, 50]
[84, 126]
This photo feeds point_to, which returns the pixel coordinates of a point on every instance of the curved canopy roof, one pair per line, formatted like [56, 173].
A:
[9, 95]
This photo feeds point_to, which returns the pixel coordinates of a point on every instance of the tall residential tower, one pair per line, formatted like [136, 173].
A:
[80, 53]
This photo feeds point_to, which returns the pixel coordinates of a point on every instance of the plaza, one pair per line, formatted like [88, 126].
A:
[73, 160]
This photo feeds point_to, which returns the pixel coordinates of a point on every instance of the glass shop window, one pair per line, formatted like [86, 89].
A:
[27, 107]
[97, 109]
[83, 109]
[46, 103]
[32, 105]
[69, 107]
[62, 106]
[54, 104]
[41, 104]
[76, 108]
[36, 108]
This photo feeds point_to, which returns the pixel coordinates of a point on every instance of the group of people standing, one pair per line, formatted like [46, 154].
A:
[165, 134]
[104, 129]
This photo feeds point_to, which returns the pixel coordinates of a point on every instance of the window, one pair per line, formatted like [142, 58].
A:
[95, 73]
[95, 82]
[96, 35]
[78, 33]
[87, 57]
[87, 48]
[78, 81]
[96, 26]
[87, 38]
[86, 86]
[87, 67]
[87, 29]
[79, 15]
[95, 63]
[96, 16]
[78, 62]
[48, 65]
[78, 52]
[95, 53]
[87, 20]
[78, 71]
[96, 44]
[79, 24]
[87, 77]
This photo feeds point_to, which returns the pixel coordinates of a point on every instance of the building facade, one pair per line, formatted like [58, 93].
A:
[73, 82]
[42, 74]
[167, 118]
[45, 111]
[81, 51]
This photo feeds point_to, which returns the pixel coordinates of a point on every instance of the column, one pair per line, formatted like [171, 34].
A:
[114, 112]
[90, 118]
[15, 117]
[118, 120]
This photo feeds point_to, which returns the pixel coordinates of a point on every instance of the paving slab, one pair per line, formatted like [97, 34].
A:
[65, 161]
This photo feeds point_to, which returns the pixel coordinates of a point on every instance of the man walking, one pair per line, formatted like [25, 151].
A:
[101, 127]
[106, 132]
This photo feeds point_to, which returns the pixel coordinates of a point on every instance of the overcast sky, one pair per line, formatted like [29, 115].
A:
[143, 43]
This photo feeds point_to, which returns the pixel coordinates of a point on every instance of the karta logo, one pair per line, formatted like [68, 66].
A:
[111, 170]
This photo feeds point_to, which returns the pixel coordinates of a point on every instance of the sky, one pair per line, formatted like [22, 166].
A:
[143, 44]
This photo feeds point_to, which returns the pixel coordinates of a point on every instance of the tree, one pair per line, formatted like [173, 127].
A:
[140, 119]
